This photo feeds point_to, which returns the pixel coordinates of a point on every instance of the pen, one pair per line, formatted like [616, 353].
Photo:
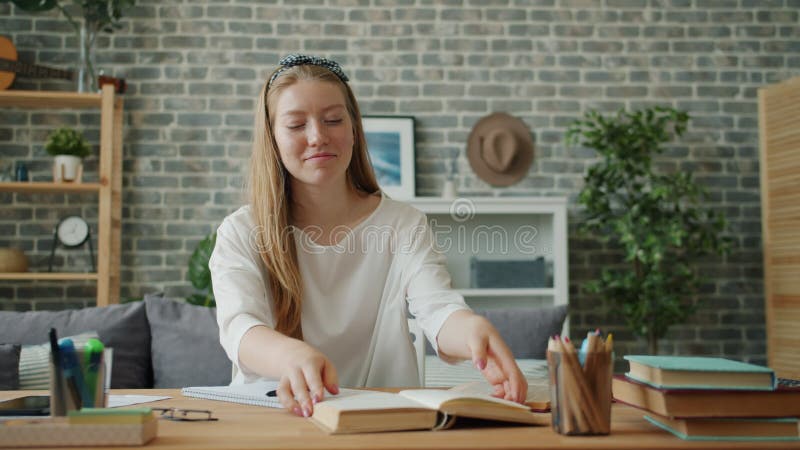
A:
[92, 358]
[272, 393]
[72, 372]
[55, 360]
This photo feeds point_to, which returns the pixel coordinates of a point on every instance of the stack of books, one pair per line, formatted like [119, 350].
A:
[699, 398]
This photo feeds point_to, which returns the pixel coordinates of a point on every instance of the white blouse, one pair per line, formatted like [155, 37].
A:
[357, 293]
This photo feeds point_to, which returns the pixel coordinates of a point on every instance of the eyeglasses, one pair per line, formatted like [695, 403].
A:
[186, 415]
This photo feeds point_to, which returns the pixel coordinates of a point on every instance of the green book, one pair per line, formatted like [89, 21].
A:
[715, 429]
[698, 372]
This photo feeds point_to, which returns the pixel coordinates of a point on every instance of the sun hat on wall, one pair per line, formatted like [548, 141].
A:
[500, 149]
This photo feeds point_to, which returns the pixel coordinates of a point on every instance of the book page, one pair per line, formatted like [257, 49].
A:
[435, 398]
[538, 391]
[369, 400]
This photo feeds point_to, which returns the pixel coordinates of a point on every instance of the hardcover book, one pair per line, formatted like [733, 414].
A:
[782, 402]
[716, 429]
[695, 372]
[416, 409]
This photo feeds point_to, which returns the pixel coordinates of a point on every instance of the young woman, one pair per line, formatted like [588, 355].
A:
[314, 279]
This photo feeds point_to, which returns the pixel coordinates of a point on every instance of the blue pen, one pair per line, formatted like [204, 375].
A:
[72, 372]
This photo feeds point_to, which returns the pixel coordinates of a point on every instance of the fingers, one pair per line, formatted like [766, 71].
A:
[315, 388]
[304, 384]
[515, 385]
[301, 394]
[497, 364]
[479, 347]
[330, 378]
[286, 396]
[293, 392]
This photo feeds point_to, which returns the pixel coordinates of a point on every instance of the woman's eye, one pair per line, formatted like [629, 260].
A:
[295, 126]
[334, 121]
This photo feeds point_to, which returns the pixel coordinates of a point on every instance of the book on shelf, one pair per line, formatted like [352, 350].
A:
[782, 402]
[718, 429]
[697, 372]
[416, 409]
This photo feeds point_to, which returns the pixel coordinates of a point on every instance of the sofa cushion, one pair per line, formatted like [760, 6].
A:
[525, 330]
[121, 327]
[185, 344]
[9, 366]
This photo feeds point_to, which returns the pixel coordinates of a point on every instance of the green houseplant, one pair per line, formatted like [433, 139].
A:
[199, 273]
[69, 147]
[656, 219]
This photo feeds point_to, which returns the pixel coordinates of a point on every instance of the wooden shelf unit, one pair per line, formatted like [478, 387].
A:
[108, 188]
[48, 276]
[48, 188]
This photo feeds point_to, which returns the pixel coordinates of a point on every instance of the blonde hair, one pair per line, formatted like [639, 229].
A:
[271, 197]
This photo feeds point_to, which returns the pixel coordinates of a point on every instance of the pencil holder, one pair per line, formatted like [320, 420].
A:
[580, 395]
[68, 395]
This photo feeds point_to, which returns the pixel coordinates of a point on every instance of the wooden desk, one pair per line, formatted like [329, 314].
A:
[252, 427]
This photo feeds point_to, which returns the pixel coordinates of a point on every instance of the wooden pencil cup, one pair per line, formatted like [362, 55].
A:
[580, 396]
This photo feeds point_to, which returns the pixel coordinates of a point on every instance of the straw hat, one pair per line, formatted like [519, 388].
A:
[500, 149]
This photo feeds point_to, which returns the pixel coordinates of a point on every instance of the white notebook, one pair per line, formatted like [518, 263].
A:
[249, 394]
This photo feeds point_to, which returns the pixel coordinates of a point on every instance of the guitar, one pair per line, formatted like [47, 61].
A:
[9, 66]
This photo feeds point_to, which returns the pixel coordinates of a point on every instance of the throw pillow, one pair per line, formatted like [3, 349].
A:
[34, 362]
[9, 367]
[526, 330]
[121, 327]
[185, 344]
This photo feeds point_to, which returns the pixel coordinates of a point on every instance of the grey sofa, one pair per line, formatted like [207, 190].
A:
[162, 343]
[158, 342]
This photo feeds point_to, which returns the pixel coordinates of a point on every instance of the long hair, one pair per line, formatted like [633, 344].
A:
[271, 197]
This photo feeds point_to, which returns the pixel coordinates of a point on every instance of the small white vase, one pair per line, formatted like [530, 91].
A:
[449, 190]
[66, 168]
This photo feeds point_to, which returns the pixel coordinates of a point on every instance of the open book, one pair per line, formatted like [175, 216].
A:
[538, 392]
[416, 409]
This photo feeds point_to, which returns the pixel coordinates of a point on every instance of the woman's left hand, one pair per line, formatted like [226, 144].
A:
[468, 335]
[493, 358]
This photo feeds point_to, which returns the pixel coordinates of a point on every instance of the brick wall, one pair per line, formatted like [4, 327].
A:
[193, 70]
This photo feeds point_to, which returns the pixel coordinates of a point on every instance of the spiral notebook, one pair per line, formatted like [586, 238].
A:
[249, 394]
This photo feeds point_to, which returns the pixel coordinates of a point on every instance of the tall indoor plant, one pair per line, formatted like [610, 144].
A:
[98, 15]
[655, 218]
[200, 274]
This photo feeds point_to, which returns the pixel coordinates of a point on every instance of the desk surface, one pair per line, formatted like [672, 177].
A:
[252, 427]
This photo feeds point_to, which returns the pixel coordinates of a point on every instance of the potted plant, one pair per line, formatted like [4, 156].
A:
[69, 148]
[655, 218]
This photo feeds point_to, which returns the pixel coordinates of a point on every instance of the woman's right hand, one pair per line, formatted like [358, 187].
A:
[306, 374]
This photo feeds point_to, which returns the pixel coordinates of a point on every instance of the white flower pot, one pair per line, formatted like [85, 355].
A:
[66, 168]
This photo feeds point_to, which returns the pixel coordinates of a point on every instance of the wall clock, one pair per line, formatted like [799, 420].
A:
[72, 232]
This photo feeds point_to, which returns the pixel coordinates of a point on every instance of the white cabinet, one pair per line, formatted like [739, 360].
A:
[502, 229]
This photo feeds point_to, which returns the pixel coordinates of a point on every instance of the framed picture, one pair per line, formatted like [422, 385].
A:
[390, 141]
